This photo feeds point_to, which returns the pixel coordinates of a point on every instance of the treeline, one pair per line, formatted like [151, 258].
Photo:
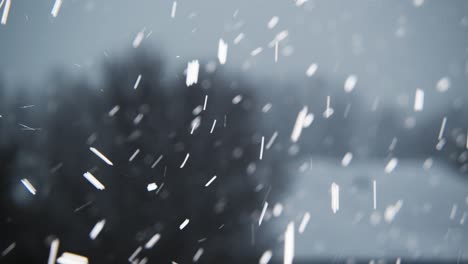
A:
[47, 132]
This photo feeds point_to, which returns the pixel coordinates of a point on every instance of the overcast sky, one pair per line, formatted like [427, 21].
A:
[392, 46]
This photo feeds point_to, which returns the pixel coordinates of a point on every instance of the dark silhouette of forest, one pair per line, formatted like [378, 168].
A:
[49, 143]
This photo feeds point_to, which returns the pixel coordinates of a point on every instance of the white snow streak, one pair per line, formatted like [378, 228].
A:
[153, 240]
[29, 186]
[392, 210]
[97, 229]
[173, 10]
[273, 21]
[335, 197]
[90, 177]
[289, 244]
[101, 156]
[210, 181]
[137, 82]
[304, 222]
[138, 39]
[346, 159]
[266, 257]
[185, 160]
[6, 11]
[192, 72]
[53, 251]
[391, 165]
[419, 100]
[151, 187]
[222, 51]
[350, 83]
[303, 120]
[71, 258]
[184, 224]
[56, 8]
[265, 206]
[311, 69]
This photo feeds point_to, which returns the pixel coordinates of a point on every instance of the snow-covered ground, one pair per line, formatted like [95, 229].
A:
[430, 222]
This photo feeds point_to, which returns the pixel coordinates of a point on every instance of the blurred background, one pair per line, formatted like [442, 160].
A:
[329, 131]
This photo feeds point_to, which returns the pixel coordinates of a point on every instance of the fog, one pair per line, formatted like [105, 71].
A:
[367, 96]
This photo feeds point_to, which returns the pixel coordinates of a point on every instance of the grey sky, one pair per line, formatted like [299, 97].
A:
[392, 46]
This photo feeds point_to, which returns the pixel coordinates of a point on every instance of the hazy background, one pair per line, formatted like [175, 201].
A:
[69, 71]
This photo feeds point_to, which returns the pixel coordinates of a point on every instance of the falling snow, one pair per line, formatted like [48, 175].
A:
[222, 133]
